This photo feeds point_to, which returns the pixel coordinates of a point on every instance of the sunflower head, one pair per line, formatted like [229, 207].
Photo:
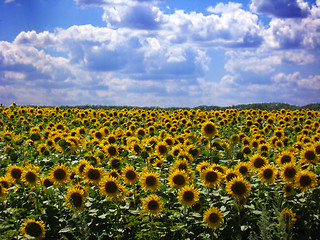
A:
[309, 155]
[150, 181]
[162, 148]
[110, 187]
[59, 174]
[210, 177]
[75, 198]
[129, 175]
[238, 187]
[92, 174]
[33, 228]
[188, 195]
[285, 157]
[178, 178]
[209, 129]
[152, 205]
[258, 161]
[288, 172]
[14, 172]
[268, 173]
[213, 217]
[30, 176]
[305, 180]
[287, 217]
[288, 189]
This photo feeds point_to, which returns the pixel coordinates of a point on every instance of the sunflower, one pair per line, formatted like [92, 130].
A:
[268, 173]
[288, 172]
[5, 182]
[188, 195]
[59, 174]
[162, 148]
[287, 217]
[46, 182]
[30, 175]
[14, 173]
[309, 155]
[209, 129]
[150, 181]
[258, 161]
[213, 217]
[305, 180]
[177, 179]
[152, 205]
[210, 177]
[231, 173]
[181, 164]
[288, 189]
[238, 187]
[75, 198]
[243, 168]
[111, 150]
[202, 166]
[110, 187]
[140, 132]
[33, 228]
[92, 174]
[81, 166]
[129, 175]
[285, 157]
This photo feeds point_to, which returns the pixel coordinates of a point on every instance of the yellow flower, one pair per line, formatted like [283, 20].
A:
[288, 172]
[30, 175]
[33, 228]
[188, 195]
[213, 217]
[92, 174]
[238, 187]
[110, 187]
[287, 217]
[268, 173]
[209, 129]
[14, 173]
[258, 161]
[210, 177]
[162, 148]
[177, 178]
[288, 189]
[152, 205]
[305, 180]
[150, 181]
[59, 174]
[309, 155]
[75, 198]
[129, 175]
[285, 157]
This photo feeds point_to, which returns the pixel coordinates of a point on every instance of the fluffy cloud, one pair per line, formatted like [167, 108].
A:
[281, 8]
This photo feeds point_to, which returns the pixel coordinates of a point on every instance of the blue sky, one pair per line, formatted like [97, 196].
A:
[162, 53]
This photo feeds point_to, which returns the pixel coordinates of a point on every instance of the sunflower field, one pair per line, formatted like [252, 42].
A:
[69, 173]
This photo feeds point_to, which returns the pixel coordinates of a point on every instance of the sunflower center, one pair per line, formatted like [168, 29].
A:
[162, 149]
[246, 150]
[290, 172]
[31, 177]
[76, 199]
[60, 174]
[153, 205]
[318, 149]
[111, 139]
[111, 187]
[47, 182]
[268, 173]
[238, 188]
[81, 168]
[5, 184]
[16, 173]
[94, 174]
[243, 170]
[285, 159]
[179, 180]
[182, 166]
[188, 196]
[209, 129]
[33, 229]
[213, 217]
[211, 177]
[310, 155]
[98, 135]
[258, 163]
[131, 175]
[230, 176]
[112, 150]
[151, 181]
[305, 181]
